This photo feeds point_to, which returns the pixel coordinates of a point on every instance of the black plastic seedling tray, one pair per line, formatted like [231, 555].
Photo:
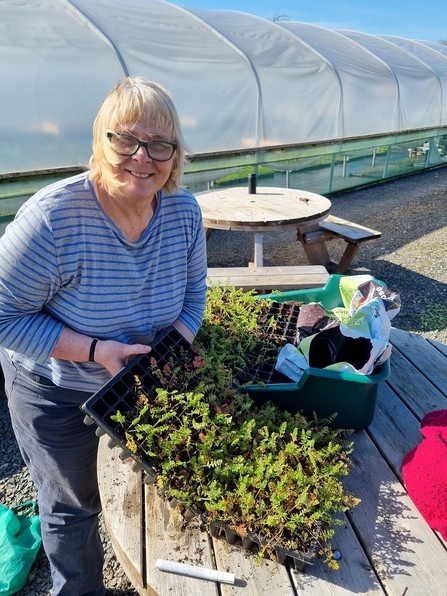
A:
[251, 541]
[120, 393]
[279, 324]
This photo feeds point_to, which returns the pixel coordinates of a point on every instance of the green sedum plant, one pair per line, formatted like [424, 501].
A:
[260, 471]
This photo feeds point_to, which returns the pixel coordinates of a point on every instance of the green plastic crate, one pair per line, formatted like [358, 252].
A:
[353, 397]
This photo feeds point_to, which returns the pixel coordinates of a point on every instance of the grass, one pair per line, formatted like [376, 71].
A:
[433, 316]
[394, 168]
[242, 175]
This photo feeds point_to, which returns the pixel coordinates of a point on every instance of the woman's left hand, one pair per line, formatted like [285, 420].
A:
[113, 355]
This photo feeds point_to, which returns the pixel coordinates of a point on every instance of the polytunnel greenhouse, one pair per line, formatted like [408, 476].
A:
[306, 106]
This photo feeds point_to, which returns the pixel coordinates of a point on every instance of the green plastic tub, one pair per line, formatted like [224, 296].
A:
[350, 396]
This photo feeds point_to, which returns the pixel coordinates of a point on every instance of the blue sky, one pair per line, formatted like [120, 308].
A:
[413, 19]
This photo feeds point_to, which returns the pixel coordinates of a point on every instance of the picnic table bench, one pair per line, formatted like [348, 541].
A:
[269, 279]
[386, 546]
[314, 241]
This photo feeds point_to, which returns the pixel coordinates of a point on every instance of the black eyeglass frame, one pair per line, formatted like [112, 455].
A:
[144, 144]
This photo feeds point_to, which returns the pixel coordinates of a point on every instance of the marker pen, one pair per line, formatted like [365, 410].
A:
[211, 575]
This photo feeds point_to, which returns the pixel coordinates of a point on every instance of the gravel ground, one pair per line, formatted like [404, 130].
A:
[410, 257]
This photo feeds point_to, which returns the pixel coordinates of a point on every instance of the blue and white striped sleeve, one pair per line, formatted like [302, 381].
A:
[195, 294]
[29, 277]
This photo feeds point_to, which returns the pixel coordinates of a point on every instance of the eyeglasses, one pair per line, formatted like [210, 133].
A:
[128, 145]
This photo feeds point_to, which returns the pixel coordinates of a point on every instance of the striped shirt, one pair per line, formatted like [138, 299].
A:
[63, 262]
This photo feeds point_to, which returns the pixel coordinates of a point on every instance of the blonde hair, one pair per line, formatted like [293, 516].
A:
[134, 100]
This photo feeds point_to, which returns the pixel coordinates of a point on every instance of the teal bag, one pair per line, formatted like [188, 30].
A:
[20, 540]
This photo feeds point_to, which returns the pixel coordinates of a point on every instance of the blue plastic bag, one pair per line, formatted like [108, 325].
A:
[20, 540]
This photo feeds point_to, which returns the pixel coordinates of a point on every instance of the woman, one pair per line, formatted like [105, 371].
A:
[92, 268]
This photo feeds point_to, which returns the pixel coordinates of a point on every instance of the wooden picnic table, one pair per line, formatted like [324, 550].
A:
[269, 209]
[387, 548]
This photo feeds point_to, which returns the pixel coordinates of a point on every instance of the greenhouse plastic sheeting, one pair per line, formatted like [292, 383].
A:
[238, 81]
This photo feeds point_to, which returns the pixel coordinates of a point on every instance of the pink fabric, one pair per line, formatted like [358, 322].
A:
[424, 471]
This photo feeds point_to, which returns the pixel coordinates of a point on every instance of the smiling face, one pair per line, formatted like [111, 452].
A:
[143, 109]
[141, 176]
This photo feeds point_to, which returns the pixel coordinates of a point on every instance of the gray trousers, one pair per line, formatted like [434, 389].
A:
[60, 452]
